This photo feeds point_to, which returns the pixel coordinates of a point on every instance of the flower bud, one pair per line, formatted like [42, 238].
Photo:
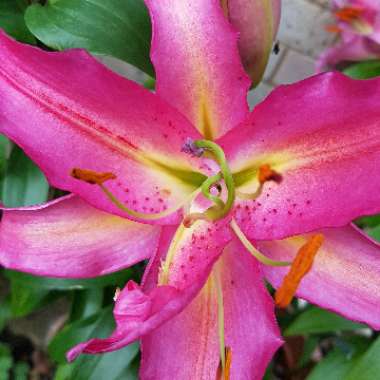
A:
[257, 22]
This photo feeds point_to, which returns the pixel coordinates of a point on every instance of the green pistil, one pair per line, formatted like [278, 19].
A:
[220, 208]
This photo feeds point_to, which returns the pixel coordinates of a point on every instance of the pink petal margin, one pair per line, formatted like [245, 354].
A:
[345, 276]
[138, 311]
[187, 347]
[69, 238]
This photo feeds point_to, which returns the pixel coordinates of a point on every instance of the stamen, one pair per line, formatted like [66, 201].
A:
[254, 252]
[348, 14]
[352, 16]
[228, 363]
[219, 292]
[96, 178]
[90, 176]
[265, 174]
[300, 267]
[333, 28]
[163, 277]
[225, 375]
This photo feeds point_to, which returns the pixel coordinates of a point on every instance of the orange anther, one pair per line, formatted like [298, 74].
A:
[90, 176]
[333, 29]
[299, 268]
[348, 14]
[266, 173]
[227, 369]
[220, 375]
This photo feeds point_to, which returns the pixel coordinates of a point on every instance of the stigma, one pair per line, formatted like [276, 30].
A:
[299, 268]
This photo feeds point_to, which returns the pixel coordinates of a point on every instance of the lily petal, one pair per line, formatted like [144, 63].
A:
[197, 63]
[69, 238]
[345, 276]
[187, 347]
[257, 21]
[139, 311]
[68, 111]
[322, 135]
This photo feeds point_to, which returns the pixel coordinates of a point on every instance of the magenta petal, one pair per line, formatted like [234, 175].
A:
[322, 135]
[345, 276]
[68, 111]
[139, 311]
[187, 347]
[69, 238]
[197, 63]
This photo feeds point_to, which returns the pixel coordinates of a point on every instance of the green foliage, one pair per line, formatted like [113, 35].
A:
[49, 283]
[335, 366]
[12, 20]
[364, 70]
[109, 366]
[23, 183]
[319, 321]
[120, 28]
[6, 361]
[367, 367]
[24, 299]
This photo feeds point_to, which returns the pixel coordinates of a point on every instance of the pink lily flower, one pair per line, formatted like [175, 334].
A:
[188, 177]
[358, 26]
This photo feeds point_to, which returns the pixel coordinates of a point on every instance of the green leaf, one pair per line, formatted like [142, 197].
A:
[21, 370]
[24, 184]
[5, 149]
[5, 312]
[368, 221]
[364, 70]
[317, 321]
[48, 283]
[86, 303]
[335, 366]
[24, 299]
[374, 232]
[120, 28]
[108, 366]
[368, 366]
[12, 20]
[6, 361]
[78, 331]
